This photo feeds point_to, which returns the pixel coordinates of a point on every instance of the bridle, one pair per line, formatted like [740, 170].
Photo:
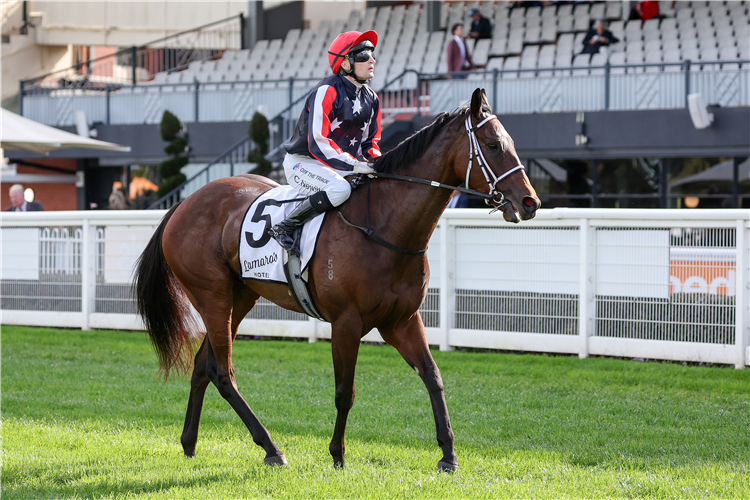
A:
[495, 198]
[475, 152]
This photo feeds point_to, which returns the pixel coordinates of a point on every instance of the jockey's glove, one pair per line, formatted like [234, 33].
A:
[362, 167]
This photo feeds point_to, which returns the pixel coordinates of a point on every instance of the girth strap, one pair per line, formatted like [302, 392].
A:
[381, 241]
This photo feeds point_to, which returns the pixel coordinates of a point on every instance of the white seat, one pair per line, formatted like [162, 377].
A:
[614, 10]
[532, 34]
[481, 52]
[495, 63]
[565, 10]
[566, 39]
[707, 42]
[563, 60]
[672, 56]
[728, 54]
[668, 24]
[704, 24]
[634, 58]
[510, 68]
[701, 12]
[671, 45]
[578, 42]
[515, 42]
[670, 34]
[565, 23]
[634, 47]
[549, 12]
[530, 52]
[581, 64]
[598, 11]
[633, 30]
[617, 59]
[549, 33]
[651, 25]
[547, 51]
[652, 46]
[499, 46]
[709, 54]
[597, 62]
[726, 41]
[684, 15]
[653, 58]
[690, 54]
[527, 63]
[533, 13]
[689, 44]
[546, 62]
[581, 22]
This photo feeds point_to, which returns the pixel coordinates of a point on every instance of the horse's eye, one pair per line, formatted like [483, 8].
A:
[493, 146]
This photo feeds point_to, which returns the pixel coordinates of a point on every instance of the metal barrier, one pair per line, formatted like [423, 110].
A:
[630, 87]
[658, 284]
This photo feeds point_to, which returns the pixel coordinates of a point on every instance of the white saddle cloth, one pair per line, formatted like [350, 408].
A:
[261, 257]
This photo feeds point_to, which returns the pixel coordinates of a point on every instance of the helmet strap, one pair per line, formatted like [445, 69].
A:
[351, 73]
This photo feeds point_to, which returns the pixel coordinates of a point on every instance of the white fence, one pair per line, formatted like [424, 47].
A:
[657, 284]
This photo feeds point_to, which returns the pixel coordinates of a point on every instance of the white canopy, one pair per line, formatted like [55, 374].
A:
[18, 132]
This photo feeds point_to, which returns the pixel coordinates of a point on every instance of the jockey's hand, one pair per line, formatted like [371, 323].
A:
[362, 167]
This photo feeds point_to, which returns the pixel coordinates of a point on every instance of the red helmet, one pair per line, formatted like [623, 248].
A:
[345, 43]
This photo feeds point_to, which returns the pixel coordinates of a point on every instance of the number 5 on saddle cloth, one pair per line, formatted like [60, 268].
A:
[263, 259]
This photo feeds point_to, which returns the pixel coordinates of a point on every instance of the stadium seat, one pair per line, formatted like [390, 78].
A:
[597, 62]
[668, 24]
[532, 34]
[481, 52]
[652, 46]
[614, 10]
[549, 33]
[728, 54]
[510, 68]
[672, 56]
[564, 10]
[617, 59]
[653, 57]
[499, 47]
[671, 45]
[565, 23]
[581, 64]
[690, 54]
[598, 11]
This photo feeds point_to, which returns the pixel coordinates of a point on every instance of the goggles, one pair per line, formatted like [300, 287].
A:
[362, 56]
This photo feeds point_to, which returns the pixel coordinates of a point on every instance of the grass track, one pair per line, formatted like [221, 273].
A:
[85, 416]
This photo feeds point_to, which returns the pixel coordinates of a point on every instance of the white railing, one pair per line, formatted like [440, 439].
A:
[657, 284]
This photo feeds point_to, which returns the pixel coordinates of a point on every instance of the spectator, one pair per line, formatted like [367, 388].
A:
[458, 57]
[644, 11]
[118, 200]
[597, 37]
[19, 204]
[480, 26]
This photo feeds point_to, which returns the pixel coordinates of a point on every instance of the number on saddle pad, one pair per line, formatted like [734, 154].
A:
[257, 217]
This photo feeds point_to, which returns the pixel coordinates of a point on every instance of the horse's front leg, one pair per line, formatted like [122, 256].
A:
[345, 337]
[411, 342]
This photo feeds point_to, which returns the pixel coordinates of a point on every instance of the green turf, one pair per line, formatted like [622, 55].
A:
[84, 415]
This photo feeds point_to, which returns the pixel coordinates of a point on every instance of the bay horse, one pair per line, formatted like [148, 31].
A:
[356, 283]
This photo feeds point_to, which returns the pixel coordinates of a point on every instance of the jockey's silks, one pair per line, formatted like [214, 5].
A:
[339, 123]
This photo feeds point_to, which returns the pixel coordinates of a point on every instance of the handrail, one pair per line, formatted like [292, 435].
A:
[130, 49]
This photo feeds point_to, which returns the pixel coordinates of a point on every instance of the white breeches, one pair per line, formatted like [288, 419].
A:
[309, 176]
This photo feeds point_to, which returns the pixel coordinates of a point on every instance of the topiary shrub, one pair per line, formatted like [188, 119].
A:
[260, 135]
[169, 169]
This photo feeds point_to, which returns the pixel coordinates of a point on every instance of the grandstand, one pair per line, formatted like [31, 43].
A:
[536, 38]
[536, 78]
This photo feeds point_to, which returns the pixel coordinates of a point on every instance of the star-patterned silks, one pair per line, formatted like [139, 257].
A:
[341, 121]
[356, 106]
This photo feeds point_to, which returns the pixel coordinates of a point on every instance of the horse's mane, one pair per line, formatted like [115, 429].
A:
[412, 148]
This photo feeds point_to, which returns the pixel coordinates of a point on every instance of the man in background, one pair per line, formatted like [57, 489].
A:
[19, 204]
[480, 25]
[458, 57]
[597, 37]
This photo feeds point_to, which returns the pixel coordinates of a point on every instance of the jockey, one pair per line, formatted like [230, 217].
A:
[339, 126]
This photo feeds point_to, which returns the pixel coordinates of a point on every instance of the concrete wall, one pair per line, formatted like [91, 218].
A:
[121, 23]
[23, 58]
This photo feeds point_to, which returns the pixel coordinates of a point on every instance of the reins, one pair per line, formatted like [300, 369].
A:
[475, 152]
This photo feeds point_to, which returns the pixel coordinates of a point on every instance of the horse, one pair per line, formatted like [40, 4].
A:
[357, 282]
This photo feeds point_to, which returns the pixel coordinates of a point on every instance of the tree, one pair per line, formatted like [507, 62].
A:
[260, 135]
[169, 169]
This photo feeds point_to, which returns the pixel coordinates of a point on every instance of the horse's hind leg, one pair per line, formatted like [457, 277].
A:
[411, 342]
[243, 301]
[218, 320]
[198, 383]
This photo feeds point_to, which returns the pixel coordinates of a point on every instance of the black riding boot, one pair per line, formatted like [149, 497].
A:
[286, 232]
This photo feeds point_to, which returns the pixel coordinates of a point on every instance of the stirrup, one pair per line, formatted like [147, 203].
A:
[287, 237]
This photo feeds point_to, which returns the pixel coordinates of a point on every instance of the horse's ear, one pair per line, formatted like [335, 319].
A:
[486, 102]
[479, 103]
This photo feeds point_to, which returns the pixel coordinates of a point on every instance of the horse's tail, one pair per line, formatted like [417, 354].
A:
[163, 305]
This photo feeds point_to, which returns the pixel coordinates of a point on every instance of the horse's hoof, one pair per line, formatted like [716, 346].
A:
[189, 453]
[447, 467]
[338, 464]
[277, 460]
